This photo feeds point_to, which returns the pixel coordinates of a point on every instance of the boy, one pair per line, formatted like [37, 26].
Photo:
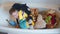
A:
[14, 14]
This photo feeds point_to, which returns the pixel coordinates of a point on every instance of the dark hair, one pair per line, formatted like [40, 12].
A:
[11, 11]
[23, 7]
[18, 7]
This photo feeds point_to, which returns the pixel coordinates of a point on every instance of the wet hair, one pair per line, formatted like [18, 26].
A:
[23, 7]
[11, 11]
[19, 7]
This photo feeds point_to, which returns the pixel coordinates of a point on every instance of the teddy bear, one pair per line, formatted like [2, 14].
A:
[34, 13]
[40, 22]
[51, 18]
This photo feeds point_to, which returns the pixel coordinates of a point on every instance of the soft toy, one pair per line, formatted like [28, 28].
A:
[30, 22]
[34, 13]
[40, 23]
[25, 21]
[22, 19]
[51, 19]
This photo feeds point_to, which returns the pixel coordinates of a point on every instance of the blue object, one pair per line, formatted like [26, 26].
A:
[22, 24]
[12, 23]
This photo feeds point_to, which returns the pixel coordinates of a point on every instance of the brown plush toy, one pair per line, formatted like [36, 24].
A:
[34, 13]
[51, 19]
[40, 22]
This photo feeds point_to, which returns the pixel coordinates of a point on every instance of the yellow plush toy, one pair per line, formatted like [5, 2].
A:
[22, 19]
[23, 22]
[22, 15]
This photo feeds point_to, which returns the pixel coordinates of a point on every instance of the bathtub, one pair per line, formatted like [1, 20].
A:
[26, 31]
[4, 26]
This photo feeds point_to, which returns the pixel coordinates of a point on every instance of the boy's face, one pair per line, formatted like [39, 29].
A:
[15, 14]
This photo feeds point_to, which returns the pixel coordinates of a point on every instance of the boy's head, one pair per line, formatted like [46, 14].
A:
[13, 12]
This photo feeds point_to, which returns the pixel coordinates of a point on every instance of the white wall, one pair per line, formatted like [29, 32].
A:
[37, 3]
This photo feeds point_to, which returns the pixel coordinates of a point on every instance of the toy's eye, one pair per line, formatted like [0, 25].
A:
[29, 9]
